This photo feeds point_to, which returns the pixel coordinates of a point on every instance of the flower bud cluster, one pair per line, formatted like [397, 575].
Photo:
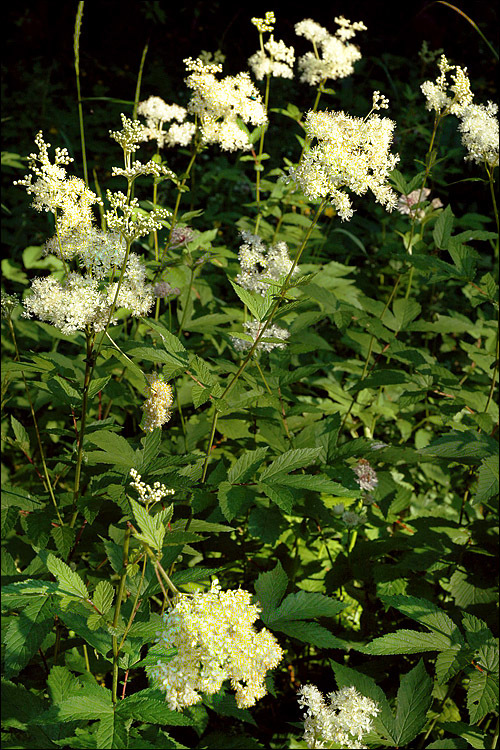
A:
[216, 640]
[276, 59]
[341, 722]
[147, 494]
[350, 152]
[334, 56]
[259, 265]
[448, 98]
[68, 198]
[218, 104]
[266, 23]
[156, 407]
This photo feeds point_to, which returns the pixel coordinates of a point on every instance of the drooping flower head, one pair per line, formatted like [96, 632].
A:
[216, 640]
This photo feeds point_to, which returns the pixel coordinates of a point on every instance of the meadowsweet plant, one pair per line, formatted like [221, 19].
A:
[250, 424]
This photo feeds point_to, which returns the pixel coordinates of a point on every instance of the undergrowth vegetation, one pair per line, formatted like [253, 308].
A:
[250, 475]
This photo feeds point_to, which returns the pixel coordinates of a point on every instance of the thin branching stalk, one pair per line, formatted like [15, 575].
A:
[76, 49]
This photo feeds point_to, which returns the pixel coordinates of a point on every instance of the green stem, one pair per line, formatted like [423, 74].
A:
[76, 49]
[188, 297]
[258, 165]
[118, 604]
[279, 299]
[89, 367]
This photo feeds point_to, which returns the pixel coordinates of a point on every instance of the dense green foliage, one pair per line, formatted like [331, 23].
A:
[392, 359]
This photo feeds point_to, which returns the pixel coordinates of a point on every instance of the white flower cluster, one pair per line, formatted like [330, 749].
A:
[343, 721]
[351, 153]
[260, 266]
[85, 300]
[127, 218]
[157, 113]
[334, 56]
[253, 329]
[131, 135]
[147, 494]
[479, 128]
[68, 198]
[218, 104]
[366, 476]
[156, 407]
[445, 98]
[276, 59]
[99, 252]
[216, 640]
[407, 204]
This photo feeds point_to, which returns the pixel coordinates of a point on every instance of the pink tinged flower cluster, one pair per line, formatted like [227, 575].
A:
[409, 204]
[347, 153]
[342, 721]
[216, 640]
[366, 476]
[156, 407]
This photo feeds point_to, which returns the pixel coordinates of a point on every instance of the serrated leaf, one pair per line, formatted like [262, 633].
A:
[112, 733]
[60, 683]
[116, 449]
[232, 499]
[304, 605]
[404, 311]
[442, 228]
[466, 446]
[69, 581]
[449, 662]
[89, 707]
[279, 494]
[152, 711]
[22, 437]
[25, 634]
[309, 632]
[425, 612]
[270, 588]
[482, 695]
[103, 595]
[407, 642]
[256, 303]
[245, 467]
[413, 700]
[64, 537]
[487, 481]
[293, 459]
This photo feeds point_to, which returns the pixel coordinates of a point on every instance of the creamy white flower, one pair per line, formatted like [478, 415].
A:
[343, 721]
[148, 495]
[216, 640]
[479, 129]
[266, 23]
[349, 153]
[218, 104]
[448, 98]
[333, 55]
[260, 266]
[276, 59]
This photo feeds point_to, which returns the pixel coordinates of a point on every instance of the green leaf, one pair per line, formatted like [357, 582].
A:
[64, 538]
[111, 733]
[26, 633]
[95, 706]
[103, 595]
[382, 377]
[309, 632]
[442, 228]
[245, 467]
[465, 259]
[467, 446]
[407, 642]
[61, 682]
[69, 581]
[473, 737]
[270, 588]
[279, 494]
[414, 699]
[256, 303]
[487, 482]
[22, 437]
[426, 613]
[232, 499]
[293, 459]
[152, 711]
[482, 695]
[19, 707]
[304, 605]
[404, 311]
[449, 662]
[116, 449]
